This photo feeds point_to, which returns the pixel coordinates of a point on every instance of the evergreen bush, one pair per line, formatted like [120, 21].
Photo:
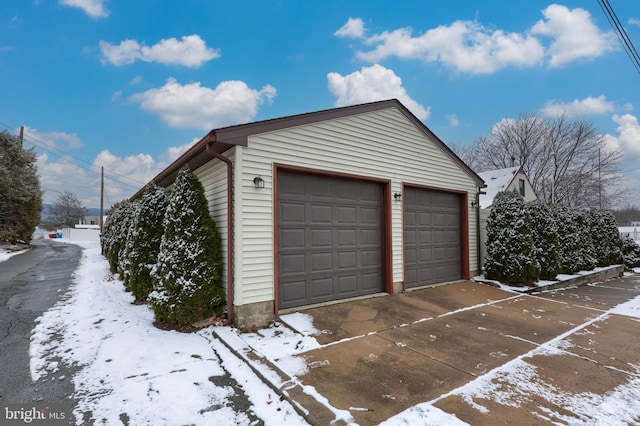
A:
[568, 240]
[145, 242]
[189, 268]
[510, 250]
[630, 252]
[545, 238]
[113, 235]
[130, 220]
[585, 251]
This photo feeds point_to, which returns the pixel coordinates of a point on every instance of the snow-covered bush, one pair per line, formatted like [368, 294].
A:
[144, 244]
[630, 252]
[568, 238]
[607, 245]
[189, 268]
[129, 221]
[113, 233]
[585, 251]
[545, 238]
[510, 249]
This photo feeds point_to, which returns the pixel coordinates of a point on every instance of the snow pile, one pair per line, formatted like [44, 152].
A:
[7, 254]
[128, 369]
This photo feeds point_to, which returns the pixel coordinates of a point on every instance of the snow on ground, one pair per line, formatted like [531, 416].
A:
[618, 407]
[129, 366]
[6, 254]
[130, 369]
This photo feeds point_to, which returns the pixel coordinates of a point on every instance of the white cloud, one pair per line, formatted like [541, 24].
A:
[55, 139]
[469, 47]
[116, 95]
[628, 138]
[453, 120]
[575, 35]
[464, 45]
[192, 105]
[124, 176]
[586, 106]
[191, 51]
[634, 21]
[93, 8]
[354, 28]
[371, 84]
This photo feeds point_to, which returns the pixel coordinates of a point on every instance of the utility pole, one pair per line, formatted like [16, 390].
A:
[21, 136]
[553, 181]
[101, 206]
[599, 181]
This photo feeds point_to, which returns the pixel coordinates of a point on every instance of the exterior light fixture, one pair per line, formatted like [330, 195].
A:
[258, 182]
[397, 196]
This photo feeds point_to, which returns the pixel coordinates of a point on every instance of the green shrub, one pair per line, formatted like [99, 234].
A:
[510, 250]
[145, 241]
[630, 252]
[189, 268]
[606, 239]
[113, 234]
[545, 238]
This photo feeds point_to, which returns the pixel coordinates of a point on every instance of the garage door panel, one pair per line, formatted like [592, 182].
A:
[346, 215]
[320, 213]
[294, 291]
[432, 229]
[321, 288]
[347, 260]
[322, 238]
[370, 216]
[293, 213]
[293, 263]
[346, 237]
[342, 238]
[424, 237]
[292, 238]
[347, 284]
[424, 218]
[321, 262]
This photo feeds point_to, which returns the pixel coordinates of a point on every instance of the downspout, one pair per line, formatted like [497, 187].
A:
[212, 140]
[479, 232]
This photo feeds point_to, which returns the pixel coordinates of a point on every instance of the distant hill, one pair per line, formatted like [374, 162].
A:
[91, 211]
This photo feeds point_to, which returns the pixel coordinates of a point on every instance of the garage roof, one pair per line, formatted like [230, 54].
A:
[230, 136]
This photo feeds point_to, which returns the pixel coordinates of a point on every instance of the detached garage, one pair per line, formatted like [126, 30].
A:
[331, 205]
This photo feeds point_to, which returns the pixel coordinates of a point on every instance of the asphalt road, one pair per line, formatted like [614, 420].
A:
[30, 284]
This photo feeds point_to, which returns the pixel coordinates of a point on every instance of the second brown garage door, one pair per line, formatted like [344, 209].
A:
[330, 238]
[432, 236]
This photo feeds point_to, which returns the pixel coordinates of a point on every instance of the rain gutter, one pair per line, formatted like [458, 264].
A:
[209, 146]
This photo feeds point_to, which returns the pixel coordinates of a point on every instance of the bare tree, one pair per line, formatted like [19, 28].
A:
[566, 160]
[66, 211]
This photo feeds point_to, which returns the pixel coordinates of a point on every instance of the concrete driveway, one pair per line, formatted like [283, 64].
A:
[383, 355]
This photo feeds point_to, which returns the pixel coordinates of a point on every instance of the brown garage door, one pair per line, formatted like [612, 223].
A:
[432, 236]
[330, 238]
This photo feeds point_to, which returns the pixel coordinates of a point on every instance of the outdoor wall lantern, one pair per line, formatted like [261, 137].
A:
[397, 196]
[258, 182]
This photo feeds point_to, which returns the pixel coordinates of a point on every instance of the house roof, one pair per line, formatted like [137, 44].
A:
[225, 138]
[497, 181]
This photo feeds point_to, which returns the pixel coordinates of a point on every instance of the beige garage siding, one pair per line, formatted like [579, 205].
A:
[213, 176]
[382, 144]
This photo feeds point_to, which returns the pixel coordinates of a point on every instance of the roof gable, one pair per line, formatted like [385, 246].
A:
[225, 138]
[498, 181]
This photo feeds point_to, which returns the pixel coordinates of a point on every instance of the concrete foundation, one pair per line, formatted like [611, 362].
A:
[253, 315]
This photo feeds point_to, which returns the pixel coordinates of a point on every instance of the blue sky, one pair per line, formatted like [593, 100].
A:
[129, 85]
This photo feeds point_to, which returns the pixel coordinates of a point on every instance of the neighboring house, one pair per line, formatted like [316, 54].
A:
[509, 179]
[334, 204]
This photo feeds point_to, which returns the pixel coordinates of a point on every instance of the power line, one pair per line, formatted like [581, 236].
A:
[612, 17]
[46, 147]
